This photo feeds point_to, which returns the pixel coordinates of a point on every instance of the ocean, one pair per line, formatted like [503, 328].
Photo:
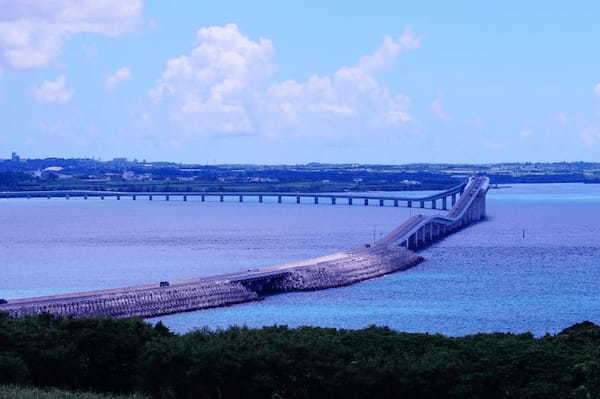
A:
[532, 266]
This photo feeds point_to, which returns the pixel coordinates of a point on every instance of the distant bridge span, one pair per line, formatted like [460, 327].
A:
[441, 200]
[391, 253]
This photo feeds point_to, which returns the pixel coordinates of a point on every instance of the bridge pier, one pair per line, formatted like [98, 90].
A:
[221, 199]
[316, 199]
[433, 204]
[483, 208]
[185, 198]
[396, 203]
[380, 202]
[366, 202]
[84, 197]
[349, 201]
[409, 204]
[101, 197]
[260, 199]
[444, 204]
[297, 199]
[332, 200]
[202, 198]
[279, 199]
[241, 198]
[453, 199]
[133, 197]
[149, 198]
[422, 204]
[167, 198]
[411, 242]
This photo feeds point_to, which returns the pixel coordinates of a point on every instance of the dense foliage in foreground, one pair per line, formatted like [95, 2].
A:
[15, 392]
[124, 356]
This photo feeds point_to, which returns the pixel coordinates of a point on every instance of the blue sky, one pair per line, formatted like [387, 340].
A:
[294, 82]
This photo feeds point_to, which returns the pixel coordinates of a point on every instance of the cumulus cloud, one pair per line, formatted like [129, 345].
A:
[225, 86]
[388, 51]
[32, 32]
[562, 118]
[526, 132]
[213, 86]
[493, 145]
[120, 75]
[590, 136]
[54, 91]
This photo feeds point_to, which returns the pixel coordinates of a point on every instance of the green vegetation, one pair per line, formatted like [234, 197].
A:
[15, 392]
[128, 356]
[123, 175]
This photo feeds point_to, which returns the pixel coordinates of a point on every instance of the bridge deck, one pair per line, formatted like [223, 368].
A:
[95, 193]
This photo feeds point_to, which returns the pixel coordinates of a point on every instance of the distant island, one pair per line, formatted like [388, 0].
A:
[122, 174]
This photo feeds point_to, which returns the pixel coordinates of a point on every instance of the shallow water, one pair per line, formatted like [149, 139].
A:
[533, 265]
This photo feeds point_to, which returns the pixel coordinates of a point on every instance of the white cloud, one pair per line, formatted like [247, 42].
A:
[526, 132]
[225, 86]
[32, 32]
[388, 51]
[120, 75]
[476, 123]
[562, 119]
[590, 136]
[437, 107]
[54, 91]
[493, 145]
[597, 90]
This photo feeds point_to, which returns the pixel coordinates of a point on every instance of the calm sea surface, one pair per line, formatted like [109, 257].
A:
[534, 265]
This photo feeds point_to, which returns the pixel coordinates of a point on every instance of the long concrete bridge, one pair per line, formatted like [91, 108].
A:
[394, 252]
[441, 200]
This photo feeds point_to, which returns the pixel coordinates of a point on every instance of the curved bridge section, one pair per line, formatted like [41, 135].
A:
[392, 253]
[421, 230]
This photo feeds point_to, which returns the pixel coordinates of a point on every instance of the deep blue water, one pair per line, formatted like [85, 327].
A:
[489, 277]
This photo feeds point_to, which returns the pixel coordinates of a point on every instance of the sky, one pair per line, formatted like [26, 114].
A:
[276, 82]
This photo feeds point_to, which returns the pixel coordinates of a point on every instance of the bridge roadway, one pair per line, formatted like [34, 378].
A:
[421, 230]
[436, 201]
[392, 253]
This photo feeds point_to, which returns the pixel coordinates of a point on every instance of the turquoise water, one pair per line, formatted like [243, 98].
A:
[486, 278]
[533, 265]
